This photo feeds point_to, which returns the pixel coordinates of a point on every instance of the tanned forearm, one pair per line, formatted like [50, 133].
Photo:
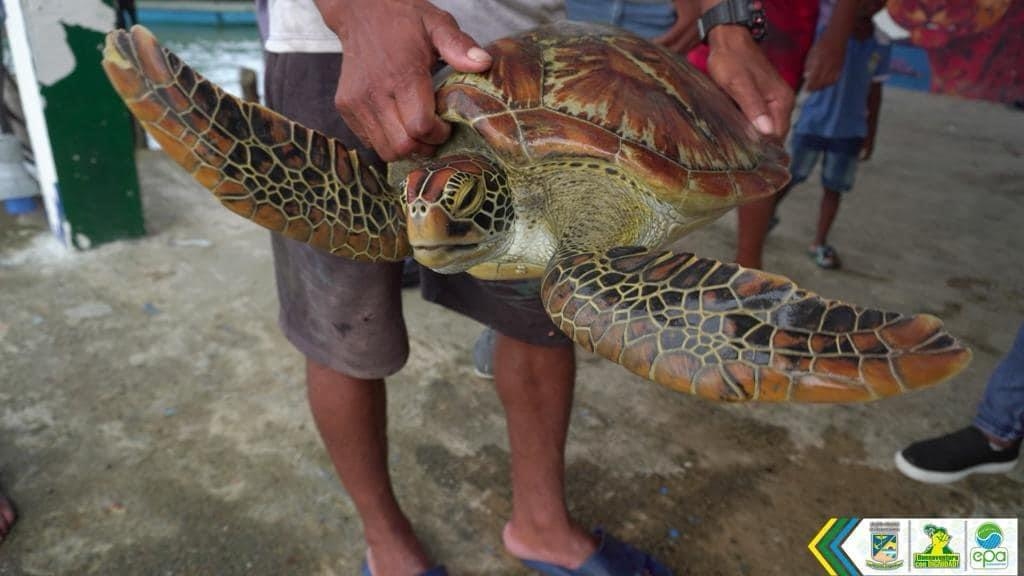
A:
[825, 60]
[843, 21]
[874, 106]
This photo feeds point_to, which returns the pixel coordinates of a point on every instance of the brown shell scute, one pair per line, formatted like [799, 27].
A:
[579, 90]
[630, 88]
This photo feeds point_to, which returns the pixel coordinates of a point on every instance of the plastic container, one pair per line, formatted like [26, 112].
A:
[16, 206]
[18, 190]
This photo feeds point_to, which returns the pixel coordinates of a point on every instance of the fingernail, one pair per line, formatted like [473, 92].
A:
[764, 124]
[478, 55]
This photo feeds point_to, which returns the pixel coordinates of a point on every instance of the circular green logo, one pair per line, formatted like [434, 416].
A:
[988, 535]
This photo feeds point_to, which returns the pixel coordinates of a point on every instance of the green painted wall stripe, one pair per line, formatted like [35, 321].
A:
[92, 142]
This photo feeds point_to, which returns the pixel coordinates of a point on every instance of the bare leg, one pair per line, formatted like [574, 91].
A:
[7, 516]
[351, 416]
[754, 219]
[780, 196]
[535, 384]
[826, 215]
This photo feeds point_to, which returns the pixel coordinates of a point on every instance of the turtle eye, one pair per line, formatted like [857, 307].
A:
[468, 197]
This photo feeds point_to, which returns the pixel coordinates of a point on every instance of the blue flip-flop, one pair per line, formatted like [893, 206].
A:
[612, 558]
[435, 571]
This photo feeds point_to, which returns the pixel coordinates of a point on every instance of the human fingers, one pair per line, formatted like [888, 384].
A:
[739, 84]
[453, 45]
[353, 100]
[417, 110]
[679, 39]
[682, 36]
[368, 105]
[399, 143]
[780, 100]
[672, 38]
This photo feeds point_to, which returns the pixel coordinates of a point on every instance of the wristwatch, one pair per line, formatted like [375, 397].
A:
[749, 13]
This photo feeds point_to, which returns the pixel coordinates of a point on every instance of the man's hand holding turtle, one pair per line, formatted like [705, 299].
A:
[739, 66]
[385, 94]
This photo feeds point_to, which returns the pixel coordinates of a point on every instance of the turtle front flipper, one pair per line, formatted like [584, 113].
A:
[273, 171]
[735, 334]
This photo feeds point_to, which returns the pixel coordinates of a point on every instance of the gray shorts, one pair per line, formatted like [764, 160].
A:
[347, 315]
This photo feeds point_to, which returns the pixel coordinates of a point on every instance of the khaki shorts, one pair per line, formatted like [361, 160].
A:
[347, 315]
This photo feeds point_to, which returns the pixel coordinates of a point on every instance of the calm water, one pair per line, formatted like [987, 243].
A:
[215, 52]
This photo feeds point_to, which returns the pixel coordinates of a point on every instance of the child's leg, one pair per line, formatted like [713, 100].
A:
[837, 172]
[826, 215]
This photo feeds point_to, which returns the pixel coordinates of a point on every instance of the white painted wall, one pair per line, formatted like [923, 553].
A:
[42, 57]
[32, 103]
[45, 24]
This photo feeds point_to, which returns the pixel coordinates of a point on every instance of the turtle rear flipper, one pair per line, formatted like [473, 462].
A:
[735, 334]
[273, 171]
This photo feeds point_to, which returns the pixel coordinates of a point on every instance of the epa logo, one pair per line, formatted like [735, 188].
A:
[989, 555]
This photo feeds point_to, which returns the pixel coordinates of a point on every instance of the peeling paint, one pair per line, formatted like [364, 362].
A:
[46, 22]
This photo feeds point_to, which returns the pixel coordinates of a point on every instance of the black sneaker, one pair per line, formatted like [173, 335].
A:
[955, 456]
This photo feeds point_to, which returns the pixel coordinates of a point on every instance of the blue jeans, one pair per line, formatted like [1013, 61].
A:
[838, 167]
[1001, 412]
[641, 18]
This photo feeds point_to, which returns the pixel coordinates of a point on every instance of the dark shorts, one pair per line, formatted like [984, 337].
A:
[347, 315]
[839, 158]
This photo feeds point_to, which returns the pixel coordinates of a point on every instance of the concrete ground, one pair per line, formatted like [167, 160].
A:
[153, 420]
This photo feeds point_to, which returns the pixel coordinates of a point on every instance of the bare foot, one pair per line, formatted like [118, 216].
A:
[397, 554]
[568, 547]
[7, 517]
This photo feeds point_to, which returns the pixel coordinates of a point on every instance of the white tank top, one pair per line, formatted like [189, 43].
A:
[296, 26]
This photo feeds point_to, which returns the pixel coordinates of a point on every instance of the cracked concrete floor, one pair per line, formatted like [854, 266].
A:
[153, 420]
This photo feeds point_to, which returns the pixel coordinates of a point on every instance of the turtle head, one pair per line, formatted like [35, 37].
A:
[459, 212]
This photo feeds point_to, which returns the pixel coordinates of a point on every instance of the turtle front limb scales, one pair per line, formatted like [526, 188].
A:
[734, 334]
[273, 171]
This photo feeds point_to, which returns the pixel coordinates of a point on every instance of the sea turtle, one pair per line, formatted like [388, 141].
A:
[576, 158]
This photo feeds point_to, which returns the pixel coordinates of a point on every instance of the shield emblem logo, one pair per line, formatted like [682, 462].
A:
[885, 546]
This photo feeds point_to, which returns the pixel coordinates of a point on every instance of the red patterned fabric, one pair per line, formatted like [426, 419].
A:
[974, 47]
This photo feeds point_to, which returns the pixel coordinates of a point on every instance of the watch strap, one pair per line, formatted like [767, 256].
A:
[749, 13]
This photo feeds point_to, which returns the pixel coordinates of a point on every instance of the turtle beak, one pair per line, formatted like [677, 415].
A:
[440, 241]
[428, 223]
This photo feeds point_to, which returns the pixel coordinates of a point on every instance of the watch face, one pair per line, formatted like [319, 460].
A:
[758, 21]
